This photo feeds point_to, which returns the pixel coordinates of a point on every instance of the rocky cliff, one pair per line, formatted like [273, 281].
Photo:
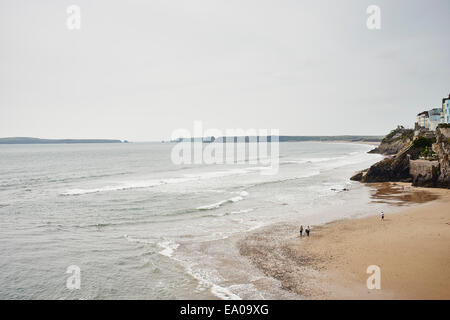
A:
[424, 173]
[395, 141]
[424, 161]
[392, 168]
[442, 149]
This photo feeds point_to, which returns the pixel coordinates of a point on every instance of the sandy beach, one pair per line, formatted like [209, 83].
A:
[410, 247]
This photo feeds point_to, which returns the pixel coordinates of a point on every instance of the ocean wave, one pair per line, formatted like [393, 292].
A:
[225, 173]
[310, 160]
[94, 176]
[298, 177]
[223, 214]
[326, 163]
[159, 182]
[168, 247]
[216, 205]
[224, 293]
[209, 279]
[350, 160]
[242, 211]
[137, 240]
[144, 184]
[45, 179]
[203, 278]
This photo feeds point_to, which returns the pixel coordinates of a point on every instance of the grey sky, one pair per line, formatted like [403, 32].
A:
[138, 70]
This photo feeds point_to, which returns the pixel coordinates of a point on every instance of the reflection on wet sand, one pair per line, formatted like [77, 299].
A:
[332, 263]
[400, 194]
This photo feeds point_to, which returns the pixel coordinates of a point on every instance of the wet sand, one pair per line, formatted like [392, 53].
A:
[412, 249]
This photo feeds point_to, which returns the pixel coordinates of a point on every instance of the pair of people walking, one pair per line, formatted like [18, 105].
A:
[307, 230]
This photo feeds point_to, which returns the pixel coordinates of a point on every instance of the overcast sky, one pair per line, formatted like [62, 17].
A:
[138, 70]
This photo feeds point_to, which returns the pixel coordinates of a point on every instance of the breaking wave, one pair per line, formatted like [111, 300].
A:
[216, 205]
[159, 182]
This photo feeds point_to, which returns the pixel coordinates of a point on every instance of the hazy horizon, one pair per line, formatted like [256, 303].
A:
[169, 139]
[138, 71]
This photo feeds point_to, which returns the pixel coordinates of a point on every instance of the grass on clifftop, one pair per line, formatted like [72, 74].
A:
[400, 133]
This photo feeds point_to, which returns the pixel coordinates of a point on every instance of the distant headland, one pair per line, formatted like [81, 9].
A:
[28, 140]
[345, 138]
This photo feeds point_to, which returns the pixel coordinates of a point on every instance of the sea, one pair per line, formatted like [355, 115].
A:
[134, 225]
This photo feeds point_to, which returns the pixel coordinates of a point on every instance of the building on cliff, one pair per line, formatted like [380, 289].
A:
[422, 119]
[435, 118]
[446, 110]
[430, 119]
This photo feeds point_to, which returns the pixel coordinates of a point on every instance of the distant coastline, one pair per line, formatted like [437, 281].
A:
[342, 138]
[28, 140]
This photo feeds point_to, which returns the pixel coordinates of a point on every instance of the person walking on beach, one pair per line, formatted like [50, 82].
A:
[307, 231]
[301, 231]
[382, 216]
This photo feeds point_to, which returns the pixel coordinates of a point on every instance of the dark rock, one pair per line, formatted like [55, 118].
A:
[404, 166]
[424, 173]
[394, 168]
[359, 175]
[442, 149]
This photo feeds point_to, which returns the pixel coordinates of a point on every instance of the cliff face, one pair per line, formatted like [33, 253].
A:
[397, 140]
[407, 167]
[391, 148]
[424, 173]
[394, 168]
[442, 149]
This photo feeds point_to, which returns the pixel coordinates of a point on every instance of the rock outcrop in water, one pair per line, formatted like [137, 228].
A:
[424, 161]
[393, 168]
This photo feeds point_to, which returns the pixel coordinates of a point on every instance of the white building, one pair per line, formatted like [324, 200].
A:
[446, 109]
[422, 119]
[434, 118]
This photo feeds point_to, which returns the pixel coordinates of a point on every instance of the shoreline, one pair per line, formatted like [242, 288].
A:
[372, 143]
[411, 248]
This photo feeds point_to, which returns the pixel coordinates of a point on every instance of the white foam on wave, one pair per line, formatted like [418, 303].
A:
[136, 240]
[169, 247]
[209, 279]
[242, 211]
[256, 226]
[308, 174]
[350, 160]
[206, 279]
[310, 160]
[216, 205]
[158, 182]
[326, 163]
[124, 186]
[224, 293]
[243, 193]
[236, 199]
[212, 206]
